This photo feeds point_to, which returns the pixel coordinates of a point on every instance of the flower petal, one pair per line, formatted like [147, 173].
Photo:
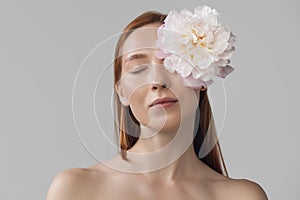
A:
[195, 44]
[224, 71]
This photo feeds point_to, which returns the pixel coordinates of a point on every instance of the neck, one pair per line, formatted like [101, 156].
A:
[166, 156]
[185, 167]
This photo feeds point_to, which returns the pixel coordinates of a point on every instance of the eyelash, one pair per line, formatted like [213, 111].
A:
[139, 69]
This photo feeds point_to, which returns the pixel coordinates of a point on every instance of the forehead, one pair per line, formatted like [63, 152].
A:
[140, 40]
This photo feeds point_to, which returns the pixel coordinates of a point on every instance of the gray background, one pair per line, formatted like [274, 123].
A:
[42, 44]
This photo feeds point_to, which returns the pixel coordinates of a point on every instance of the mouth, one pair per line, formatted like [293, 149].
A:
[163, 102]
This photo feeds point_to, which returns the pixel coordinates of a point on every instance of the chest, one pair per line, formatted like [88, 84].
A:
[132, 191]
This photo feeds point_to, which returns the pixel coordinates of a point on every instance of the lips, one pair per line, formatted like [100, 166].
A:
[162, 101]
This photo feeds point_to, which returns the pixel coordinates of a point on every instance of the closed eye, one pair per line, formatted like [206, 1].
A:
[139, 69]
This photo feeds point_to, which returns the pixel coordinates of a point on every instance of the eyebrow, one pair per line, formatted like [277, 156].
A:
[135, 56]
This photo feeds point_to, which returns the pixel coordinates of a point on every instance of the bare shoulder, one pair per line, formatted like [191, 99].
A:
[73, 184]
[243, 189]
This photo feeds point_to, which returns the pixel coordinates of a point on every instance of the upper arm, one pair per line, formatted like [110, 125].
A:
[67, 185]
[249, 190]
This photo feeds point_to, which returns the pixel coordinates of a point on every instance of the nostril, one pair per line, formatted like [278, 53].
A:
[164, 85]
[154, 87]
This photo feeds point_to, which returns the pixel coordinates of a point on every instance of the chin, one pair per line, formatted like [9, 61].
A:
[170, 124]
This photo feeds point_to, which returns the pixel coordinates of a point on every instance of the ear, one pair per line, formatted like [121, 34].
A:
[198, 90]
[121, 95]
[203, 88]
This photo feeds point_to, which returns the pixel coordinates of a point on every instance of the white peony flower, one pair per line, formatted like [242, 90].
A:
[196, 45]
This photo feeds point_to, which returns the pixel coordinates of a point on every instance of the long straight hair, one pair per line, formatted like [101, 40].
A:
[126, 122]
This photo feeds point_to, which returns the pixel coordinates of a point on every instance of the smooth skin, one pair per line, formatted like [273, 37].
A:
[96, 183]
[185, 178]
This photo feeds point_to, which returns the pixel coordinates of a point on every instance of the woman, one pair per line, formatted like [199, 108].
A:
[163, 120]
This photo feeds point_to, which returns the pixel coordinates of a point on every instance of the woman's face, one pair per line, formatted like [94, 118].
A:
[157, 98]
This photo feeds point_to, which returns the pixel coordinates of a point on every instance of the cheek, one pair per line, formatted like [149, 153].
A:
[136, 94]
[188, 97]
[137, 98]
[191, 101]
[132, 85]
[128, 89]
[139, 106]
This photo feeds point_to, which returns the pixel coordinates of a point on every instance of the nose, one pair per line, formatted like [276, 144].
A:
[156, 86]
[159, 77]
